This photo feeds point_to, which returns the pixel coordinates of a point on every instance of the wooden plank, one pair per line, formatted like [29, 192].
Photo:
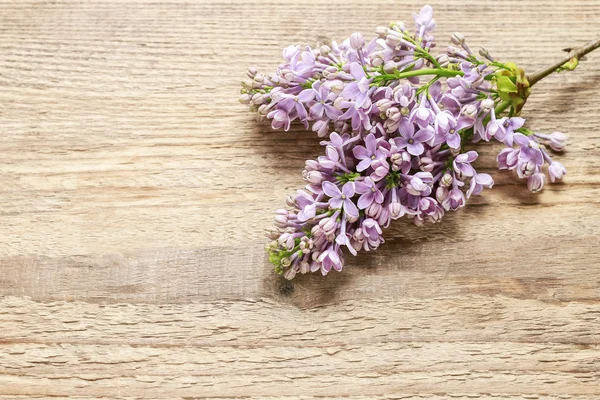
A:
[134, 192]
[252, 348]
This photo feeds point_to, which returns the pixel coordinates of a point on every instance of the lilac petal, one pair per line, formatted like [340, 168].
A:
[472, 188]
[356, 122]
[302, 114]
[307, 212]
[350, 208]
[538, 157]
[378, 197]
[366, 200]
[331, 189]
[406, 128]
[348, 189]
[521, 139]
[332, 154]
[516, 123]
[371, 143]
[357, 71]
[362, 187]
[424, 135]
[361, 152]
[306, 95]
[416, 149]
[336, 139]
[332, 112]
[316, 111]
[348, 114]
[304, 198]
[484, 179]
[466, 169]
[362, 100]
[471, 156]
[435, 91]
[400, 142]
[443, 121]
[364, 164]
[453, 140]
[351, 91]
[336, 202]
[464, 122]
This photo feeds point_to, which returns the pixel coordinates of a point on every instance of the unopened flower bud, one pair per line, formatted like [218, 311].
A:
[535, 182]
[384, 104]
[273, 234]
[469, 110]
[487, 104]
[314, 177]
[485, 53]
[330, 73]
[443, 59]
[324, 49]
[357, 41]
[290, 201]
[458, 38]
[311, 165]
[381, 31]
[328, 225]
[389, 67]
[245, 98]
[289, 274]
[336, 86]
[358, 234]
[304, 267]
[251, 72]
[446, 180]
[441, 194]
[396, 210]
[258, 99]
[373, 210]
[426, 164]
[557, 141]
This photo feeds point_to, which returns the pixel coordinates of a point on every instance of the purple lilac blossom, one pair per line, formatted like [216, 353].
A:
[394, 144]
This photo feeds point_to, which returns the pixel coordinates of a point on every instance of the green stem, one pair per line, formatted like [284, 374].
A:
[419, 72]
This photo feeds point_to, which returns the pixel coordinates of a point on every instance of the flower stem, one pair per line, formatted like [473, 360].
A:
[576, 54]
[418, 72]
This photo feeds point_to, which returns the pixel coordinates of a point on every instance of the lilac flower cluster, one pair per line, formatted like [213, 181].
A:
[395, 144]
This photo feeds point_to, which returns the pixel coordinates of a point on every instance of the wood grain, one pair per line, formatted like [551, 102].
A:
[134, 192]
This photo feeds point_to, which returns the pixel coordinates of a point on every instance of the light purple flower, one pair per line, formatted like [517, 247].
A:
[413, 142]
[330, 258]
[509, 126]
[478, 182]
[307, 204]
[369, 193]
[455, 200]
[343, 198]
[507, 158]
[422, 115]
[556, 171]
[322, 97]
[424, 20]
[462, 163]
[530, 149]
[358, 90]
[372, 233]
[331, 158]
[368, 154]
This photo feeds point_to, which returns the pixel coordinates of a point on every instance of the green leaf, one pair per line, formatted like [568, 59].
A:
[505, 85]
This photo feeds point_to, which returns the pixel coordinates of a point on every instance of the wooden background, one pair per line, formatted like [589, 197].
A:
[135, 189]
